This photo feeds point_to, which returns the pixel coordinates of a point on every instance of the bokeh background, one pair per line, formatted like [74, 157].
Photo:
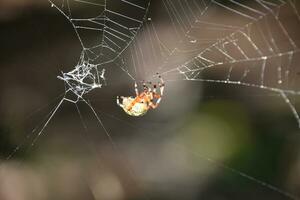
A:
[191, 147]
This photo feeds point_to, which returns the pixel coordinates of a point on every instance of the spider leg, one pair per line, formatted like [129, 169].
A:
[118, 102]
[154, 93]
[150, 88]
[154, 88]
[149, 92]
[161, 85]
[136, 89]
[154, 105]
[145, 87]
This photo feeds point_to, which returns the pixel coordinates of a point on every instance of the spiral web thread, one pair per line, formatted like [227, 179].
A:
[113, 27]
[245, 43]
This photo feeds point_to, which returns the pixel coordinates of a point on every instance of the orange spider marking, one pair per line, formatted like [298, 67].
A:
[142, 102]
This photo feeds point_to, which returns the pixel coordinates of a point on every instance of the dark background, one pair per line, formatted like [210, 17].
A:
[187, 149]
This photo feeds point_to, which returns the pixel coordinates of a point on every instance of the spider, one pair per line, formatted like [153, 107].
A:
[142, 102]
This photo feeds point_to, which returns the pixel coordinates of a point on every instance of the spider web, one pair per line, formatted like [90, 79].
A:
[112, 29]
[250, 45]
[113, 26]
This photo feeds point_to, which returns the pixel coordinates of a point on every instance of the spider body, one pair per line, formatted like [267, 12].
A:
[142, 102]
[134, 108]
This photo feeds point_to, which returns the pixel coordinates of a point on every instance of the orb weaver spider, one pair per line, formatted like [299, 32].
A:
[142, 102]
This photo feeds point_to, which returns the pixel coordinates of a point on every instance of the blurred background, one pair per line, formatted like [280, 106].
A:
[194, 146]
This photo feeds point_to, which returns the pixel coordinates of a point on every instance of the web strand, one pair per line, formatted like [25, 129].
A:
[257, 51]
